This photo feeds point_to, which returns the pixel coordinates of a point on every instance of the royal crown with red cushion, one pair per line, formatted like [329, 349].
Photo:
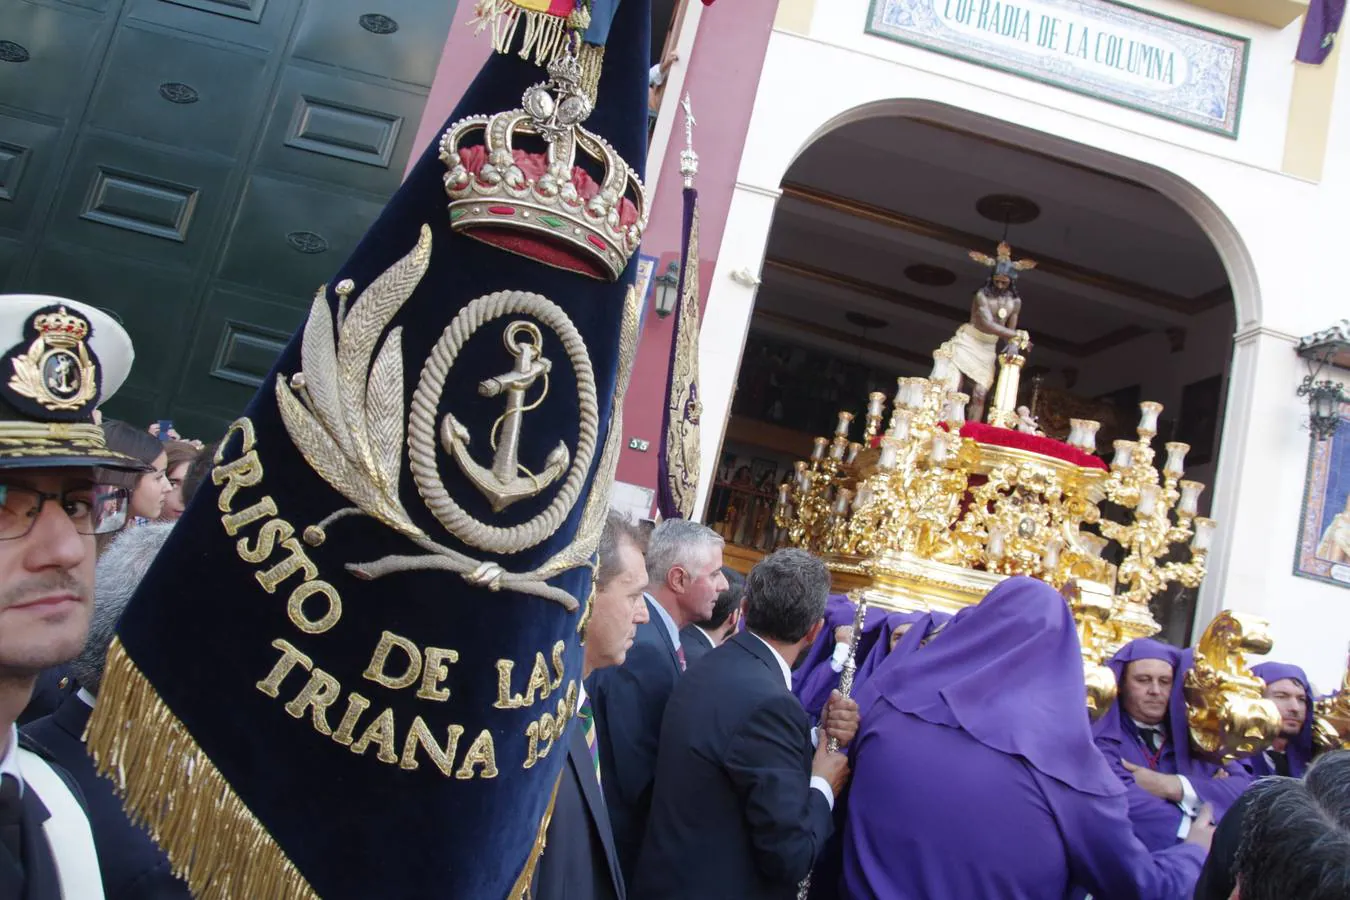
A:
[543, 205]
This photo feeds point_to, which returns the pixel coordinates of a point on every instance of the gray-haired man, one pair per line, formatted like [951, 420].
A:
[684, 572]
[130, 864]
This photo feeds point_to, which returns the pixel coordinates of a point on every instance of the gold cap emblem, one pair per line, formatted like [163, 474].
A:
[57, 371]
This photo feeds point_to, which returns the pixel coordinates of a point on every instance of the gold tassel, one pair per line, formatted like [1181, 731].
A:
[592, 58]
[173, 789]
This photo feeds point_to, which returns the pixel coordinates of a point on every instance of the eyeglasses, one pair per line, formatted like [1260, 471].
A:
[101, 509]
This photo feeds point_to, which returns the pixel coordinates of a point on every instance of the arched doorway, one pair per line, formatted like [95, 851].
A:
[1140, 286]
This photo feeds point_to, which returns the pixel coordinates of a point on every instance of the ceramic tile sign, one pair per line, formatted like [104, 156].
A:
[1105, 50]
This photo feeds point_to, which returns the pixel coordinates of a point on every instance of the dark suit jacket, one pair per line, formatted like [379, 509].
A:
[579, 862]
[132, 866]
[695, 643]
[1220, 872]
[628, 702]
[53, 686]
[734, 815]
[35, 878]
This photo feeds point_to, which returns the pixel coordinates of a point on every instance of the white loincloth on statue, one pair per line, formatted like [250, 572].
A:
[974, 354]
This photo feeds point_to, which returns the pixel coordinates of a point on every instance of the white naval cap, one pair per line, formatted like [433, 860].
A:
[59, 359]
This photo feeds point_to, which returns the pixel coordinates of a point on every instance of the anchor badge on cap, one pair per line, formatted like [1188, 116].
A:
[507, 480]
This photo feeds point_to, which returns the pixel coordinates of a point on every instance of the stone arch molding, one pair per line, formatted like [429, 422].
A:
[1196, 203]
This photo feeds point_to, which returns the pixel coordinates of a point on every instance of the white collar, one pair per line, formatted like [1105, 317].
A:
[9, 763]
[782, 663]
[712, 641]
[87, 697]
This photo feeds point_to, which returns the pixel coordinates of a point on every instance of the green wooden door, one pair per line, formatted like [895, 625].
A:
[200, 167]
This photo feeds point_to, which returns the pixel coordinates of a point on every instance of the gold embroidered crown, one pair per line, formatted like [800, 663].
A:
[542, 205]
[61, 328]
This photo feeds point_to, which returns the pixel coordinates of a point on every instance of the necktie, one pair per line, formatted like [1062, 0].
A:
[679, 654]
[11, 817]
[587, 718]
[1152, 737]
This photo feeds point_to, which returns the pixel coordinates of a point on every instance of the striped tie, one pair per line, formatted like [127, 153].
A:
[679, 654]
[587, 718]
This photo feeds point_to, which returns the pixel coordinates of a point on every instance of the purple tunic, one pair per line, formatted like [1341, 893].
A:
[814, 678]
[975, 774]
[1157, 821]
[1299, 751]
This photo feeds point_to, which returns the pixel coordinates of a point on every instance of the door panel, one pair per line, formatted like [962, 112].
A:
[291, 237]
[200, 167]
[53, 44]
[341, 131]
[27, 150]
[162, 87]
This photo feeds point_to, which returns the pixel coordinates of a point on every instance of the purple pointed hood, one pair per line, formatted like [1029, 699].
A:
[1009, 673]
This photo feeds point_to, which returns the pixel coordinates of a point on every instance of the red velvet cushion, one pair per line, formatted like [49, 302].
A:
[534, 165]
[1006, 437]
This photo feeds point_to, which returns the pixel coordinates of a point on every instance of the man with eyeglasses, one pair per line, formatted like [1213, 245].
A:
[61, 359]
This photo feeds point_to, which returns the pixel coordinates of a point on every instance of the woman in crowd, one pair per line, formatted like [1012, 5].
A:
[150, 489]
[180, 455]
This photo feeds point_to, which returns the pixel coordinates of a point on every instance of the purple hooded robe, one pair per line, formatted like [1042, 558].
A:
[921, 625]
[1299, 750]
[814, 678]
[975, 774]
[1157, 822]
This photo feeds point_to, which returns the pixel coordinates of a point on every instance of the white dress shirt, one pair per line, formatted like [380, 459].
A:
[817, 782]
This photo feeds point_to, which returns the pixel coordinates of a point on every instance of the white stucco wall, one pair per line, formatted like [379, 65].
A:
[1280, 239]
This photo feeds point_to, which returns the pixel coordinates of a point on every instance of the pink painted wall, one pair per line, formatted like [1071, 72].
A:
[722, 80]
[463, 56]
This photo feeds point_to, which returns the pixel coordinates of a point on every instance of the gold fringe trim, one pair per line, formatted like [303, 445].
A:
[545, 38]
[521, 889]
[170, 786]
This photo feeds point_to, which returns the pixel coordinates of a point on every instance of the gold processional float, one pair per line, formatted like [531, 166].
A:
[932, 511]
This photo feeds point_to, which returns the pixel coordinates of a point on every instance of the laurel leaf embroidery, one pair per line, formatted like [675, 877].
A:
[318, 359]
[322, 453]
[27, 380]
[384, 411]
[367, 319]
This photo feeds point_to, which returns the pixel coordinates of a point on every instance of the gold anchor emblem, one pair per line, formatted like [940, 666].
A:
[508, 481]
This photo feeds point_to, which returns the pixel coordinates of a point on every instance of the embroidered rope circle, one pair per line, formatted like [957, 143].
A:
[427, 397]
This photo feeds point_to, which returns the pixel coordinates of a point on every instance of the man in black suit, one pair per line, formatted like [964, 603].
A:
[684, 571]
[579, 860]
[130, 864]
[697, 638]
[742, 806]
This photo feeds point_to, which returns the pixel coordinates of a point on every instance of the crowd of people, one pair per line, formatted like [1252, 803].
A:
[713, 754]
[967, 765]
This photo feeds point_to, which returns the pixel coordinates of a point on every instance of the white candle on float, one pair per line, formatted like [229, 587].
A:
[1204, 534]
[888, 456]
[841, 428]
[954, 411]
[1176, 458]
[1050, 557]
[940, 450]
[853, 450]
[1148, 416]
[841, 502]
[784, 493]
[1189, 504]
[995, 545]
[1124, 454]
[863, 497]
[1148, 499]
[900, 424]
[837, 450]
[1090, 427]
[818, 448]
[942, 367]
[876, 402]
[1092, 545]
